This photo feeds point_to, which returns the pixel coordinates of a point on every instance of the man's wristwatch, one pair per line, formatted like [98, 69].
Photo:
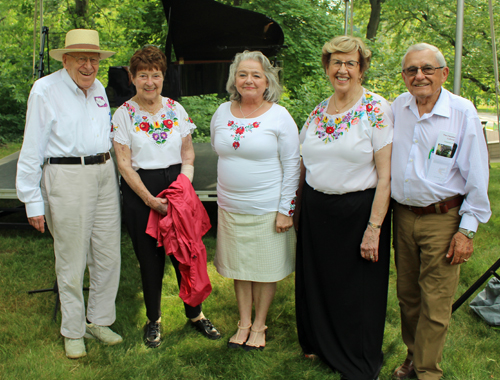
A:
[470, 234]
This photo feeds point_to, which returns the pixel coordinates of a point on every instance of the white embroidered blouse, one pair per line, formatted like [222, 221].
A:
[155, 141]
[338, 150]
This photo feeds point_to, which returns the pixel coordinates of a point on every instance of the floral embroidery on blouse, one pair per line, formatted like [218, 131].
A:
[292, 207]
[157, 130]
[329, 129]
[239, 131]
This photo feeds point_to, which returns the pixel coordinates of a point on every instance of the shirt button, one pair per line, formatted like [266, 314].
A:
[416, 141]
[406, 180]
[411, 159]
[407, 199]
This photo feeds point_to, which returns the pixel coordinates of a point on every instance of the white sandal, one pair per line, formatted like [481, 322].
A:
[251, 345]
[235, 341]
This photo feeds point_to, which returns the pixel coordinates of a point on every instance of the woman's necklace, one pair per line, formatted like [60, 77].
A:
[347, 104]
[255, 110]
[151, 110]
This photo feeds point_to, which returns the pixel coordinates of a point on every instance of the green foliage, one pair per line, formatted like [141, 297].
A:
[15, 68]
[200, 109]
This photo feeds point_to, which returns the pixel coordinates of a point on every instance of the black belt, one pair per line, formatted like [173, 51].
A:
[100, 158]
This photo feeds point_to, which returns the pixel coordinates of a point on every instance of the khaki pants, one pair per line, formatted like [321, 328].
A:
[426, 284]
[82, 210]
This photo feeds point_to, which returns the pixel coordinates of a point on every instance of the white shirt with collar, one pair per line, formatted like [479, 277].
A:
[60, 122]
[415, 137]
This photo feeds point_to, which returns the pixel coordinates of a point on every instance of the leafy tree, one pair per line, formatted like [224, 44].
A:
[405, 23]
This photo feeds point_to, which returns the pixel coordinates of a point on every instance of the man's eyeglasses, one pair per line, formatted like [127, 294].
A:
[348, 64]
[82, 60]
[426, 70]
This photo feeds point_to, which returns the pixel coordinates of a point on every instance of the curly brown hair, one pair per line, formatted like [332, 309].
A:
[148, 58]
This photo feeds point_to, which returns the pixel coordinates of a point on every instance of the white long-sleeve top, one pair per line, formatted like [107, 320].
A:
[60, 122]
[258, 167]
[413, 152]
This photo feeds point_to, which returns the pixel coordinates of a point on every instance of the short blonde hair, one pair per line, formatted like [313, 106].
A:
[347, 44]
[273, 91]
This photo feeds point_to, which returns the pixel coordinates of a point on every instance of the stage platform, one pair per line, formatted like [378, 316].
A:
[205, 174]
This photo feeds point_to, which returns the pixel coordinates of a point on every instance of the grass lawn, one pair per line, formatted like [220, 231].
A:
[31, 346]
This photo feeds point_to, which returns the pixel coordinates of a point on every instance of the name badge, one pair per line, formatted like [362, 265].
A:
[442, 159]
[99, 100]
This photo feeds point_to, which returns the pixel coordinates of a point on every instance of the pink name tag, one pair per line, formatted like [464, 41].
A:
[100, 101]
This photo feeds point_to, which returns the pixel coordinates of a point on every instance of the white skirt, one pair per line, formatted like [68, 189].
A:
[250, 249]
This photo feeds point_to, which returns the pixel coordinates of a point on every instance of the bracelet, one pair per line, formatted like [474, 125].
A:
[373, 225]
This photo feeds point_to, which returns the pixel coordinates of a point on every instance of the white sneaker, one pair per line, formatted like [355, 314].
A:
[75, 348]
[103, 333]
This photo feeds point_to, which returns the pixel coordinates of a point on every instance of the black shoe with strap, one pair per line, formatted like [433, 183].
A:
[152, 335]
[206, 328]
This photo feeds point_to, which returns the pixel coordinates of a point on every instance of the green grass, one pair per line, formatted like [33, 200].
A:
[9, 148]
[31, 346]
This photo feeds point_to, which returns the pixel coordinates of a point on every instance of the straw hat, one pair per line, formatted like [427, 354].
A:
[81, 40]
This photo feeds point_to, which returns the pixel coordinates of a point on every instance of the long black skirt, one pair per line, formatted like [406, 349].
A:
[341, 298]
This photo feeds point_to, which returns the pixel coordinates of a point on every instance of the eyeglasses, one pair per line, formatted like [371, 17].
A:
[426, 70]
[348, 64]
[82, 60]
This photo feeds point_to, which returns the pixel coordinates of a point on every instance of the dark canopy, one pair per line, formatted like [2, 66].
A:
[205, 30]
[205, 36]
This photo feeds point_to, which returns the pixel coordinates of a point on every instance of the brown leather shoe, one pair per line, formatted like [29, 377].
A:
[405, 371]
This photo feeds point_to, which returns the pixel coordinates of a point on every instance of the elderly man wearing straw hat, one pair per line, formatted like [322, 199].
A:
[65, 177]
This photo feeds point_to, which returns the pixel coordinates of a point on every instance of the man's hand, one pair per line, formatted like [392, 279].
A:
[38, 222]
[461, 249]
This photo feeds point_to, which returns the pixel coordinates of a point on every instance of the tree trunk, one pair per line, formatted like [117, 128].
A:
[371, 30]
[81, 7]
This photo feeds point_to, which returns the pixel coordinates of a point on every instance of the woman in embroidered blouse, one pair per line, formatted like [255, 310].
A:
[152, 141]
[344, 228]
[258, 171]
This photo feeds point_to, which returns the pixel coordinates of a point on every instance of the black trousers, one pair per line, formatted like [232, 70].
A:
[151, 258]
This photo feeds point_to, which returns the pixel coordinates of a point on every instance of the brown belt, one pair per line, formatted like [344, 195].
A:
[436, 208]
[100, 158]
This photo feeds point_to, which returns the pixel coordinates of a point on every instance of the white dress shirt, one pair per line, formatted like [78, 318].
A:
[338, 150]
[413, 152]
[155, 141]
[258, 167]
[60, 122]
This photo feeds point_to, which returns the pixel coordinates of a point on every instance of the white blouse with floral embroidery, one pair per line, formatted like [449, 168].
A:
[338, 150]
[258, 167]
[155, 141]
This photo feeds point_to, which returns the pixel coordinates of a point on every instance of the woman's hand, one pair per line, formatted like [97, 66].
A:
[369, 245]
[283, 222]
[160, 205]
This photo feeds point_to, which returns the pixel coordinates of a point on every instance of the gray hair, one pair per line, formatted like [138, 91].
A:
[424, 46]
[273, 91]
